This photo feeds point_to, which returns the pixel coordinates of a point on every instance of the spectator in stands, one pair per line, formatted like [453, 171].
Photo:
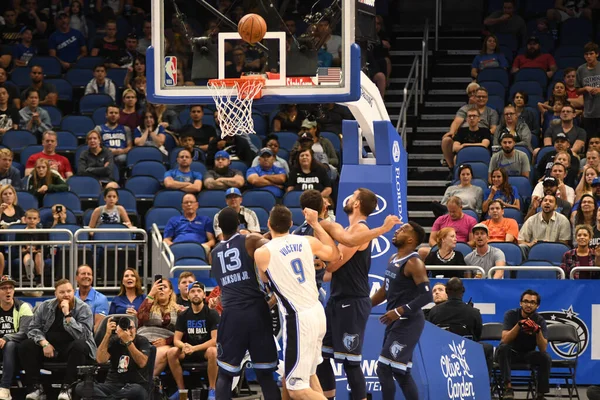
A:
[34, 118]
[287, 120]
[331, 43]
[31, 16]
[586, 84]
[484, 255]
[552, 116]
[10, 211]
[195, 339]
[563, 10]
[182, 177]
[25, 50]
[129, 116]
[156, 318]
[44, 180]
[238, 65]
[266, 175]
[13, 90]
[517, 128]
[32, 255]
[561, 145]
[97, 161]
[139, 86]
[323, 149]
[331, 116]
[59, 216]
[78, 20]
[248, 219]
[101, 84]
[151, 133]
[222, 176]
[564, 192]
[524, 329]
[57, 162]
[146, 41]
[378, 57]
[500, 229]
[131, 53]
[559, 91]
[138, 70]
[445, 254]
[473, 134]
[524, 113]
[130, 296]
[110, 212]
[471, 195]
[507, 21]
[97, 302]
[439, 296]
[534, 58]
[575, 135]
[272, 142]
[187, 142]
[308, 174]
[9, 175]
[190, 227]
[66, 43]
[47, 93]
[592, 160]
[16, 316]
[574, 98]
[201, 133]
[585, 184]
[328, 205]
[61, 329]
[116, 137]
[109, 47]
[128, 355]
[502, 191]
[11, 29]
[549, 187]
[545, 226]
[183, 282]
[584, 215]
[489, 57]
[488, 118]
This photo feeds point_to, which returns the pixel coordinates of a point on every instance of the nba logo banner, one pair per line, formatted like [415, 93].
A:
[170, 71]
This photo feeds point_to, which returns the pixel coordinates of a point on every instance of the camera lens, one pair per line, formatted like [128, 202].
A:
[124, 323]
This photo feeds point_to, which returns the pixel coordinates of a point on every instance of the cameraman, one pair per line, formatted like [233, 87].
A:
[523, 330]
[128, 355]
[59, 215]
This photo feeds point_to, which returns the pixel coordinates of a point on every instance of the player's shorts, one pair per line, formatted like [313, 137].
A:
[196, 357]
[302, 340]
[346, 322]
[399, 342]
[244, 329]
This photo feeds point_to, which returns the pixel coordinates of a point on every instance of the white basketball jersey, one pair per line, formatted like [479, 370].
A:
[291, 271]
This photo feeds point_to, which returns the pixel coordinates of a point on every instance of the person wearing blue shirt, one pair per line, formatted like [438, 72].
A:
[24, 51]
[115, 137]
[265, 175]
[130, 296]
[190, 227]
[489, 57]
[67, 44]
[85, 292]
[182, 177]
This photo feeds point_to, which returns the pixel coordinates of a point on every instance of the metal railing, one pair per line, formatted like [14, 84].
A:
[579, 269]
[558, 270]
[438, 21]
[455, 268]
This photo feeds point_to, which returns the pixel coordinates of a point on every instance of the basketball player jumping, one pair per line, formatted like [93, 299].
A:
[287, 262]
[246, 320]
[406, 289]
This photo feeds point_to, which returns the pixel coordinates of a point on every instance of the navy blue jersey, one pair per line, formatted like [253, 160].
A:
[234, 270]
[352, 279]
[399, 289]
[306, 230]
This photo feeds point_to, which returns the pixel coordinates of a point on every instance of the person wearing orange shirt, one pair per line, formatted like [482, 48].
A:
[501, 229]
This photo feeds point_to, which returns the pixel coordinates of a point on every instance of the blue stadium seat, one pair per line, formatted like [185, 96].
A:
[493, 75]
[89, 102]
[79, 78]
[287, 140]
[47, 219]
[471, 213]
[538, 7]
[19, 166]
[63, 88]
[201, 275]
[567, 50]
[113, 236]
[208, 119]
[68, 199]
[144, 153]
[88, 62]
[531, 88]
[80, 125]
[508, 54]
[160, 216]
[297, 216]
[209, 212]
[240, 166]
[85, 187]
[258, 198]
[473, 154]
[543, 151]
[67, 141]
[533, 101]
[256, 140]
[566, 62]
[511, 251]
[50, 65]
[99, 115]
[532, 75]
[169, 198]
[551, 252]
[27, 200]
[495, 88]
[536, 274]
[480, 170]
[497, 103]
[292, 199]
[523, 186]
[508, 40]
[17, 140]
[188, 250]
[28, 152]
[87, 216]
[260, 124]
[263, 217]
[212, 198]
[59, 236]
[80, 149]
[170, 143]
[151, 168]
[126, 199]
[55, 115]
[334, 138]
[285, 154]
[575, 31]
[198, 166]
[515, 214]
[173, 156]
[143, 187]
[463, 248]
[526, 150]
[184, 117]
[20, 77]
[117, 75]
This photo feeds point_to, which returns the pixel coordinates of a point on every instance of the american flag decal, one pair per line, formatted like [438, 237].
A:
[329, 75]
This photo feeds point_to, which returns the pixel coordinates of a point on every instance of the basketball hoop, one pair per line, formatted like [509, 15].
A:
[233, 98]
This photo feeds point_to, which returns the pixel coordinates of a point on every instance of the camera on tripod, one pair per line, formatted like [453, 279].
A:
[87, 373]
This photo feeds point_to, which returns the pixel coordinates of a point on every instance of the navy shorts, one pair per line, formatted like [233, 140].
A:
[400, 340]
[248, 329]
[346, 322]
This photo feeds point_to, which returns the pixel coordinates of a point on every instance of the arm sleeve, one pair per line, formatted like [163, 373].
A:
[35, 326]
[82, 325]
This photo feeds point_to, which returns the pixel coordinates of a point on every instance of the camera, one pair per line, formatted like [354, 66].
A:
[87, 373]
[124, 323]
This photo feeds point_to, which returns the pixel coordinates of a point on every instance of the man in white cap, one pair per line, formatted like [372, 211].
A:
[248, 219]
[484, 255]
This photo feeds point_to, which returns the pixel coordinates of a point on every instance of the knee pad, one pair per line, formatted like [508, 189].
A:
[356, 380]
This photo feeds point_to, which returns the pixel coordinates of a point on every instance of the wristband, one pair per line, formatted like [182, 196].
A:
[46, 345]
[397, 313]
[68, 315]
[128, 343]
[150, 297]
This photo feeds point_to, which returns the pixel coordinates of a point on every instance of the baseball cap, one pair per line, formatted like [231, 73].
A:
[231, 191]
[309, 124]
[480, 226]
[533, 39]
[265, 150]
[61, 13]
[306, 136]
[222, 154]
[560, 136]
[550, 181]
[195, 284]
[7, 280]
[595, 182]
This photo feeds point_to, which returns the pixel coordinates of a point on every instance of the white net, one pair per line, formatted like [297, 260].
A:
[234, 104]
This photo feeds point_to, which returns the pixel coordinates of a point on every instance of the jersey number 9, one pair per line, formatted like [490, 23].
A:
[298, 269]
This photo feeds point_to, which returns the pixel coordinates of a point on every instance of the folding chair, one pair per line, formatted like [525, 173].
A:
[562, 334]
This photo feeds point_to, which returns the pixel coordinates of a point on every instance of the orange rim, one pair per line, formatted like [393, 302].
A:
[230, 82]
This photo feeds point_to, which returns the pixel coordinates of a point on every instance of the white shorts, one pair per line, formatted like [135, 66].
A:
[564, 16]
[302, 341]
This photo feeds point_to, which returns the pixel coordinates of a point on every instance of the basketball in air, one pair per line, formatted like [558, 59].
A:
[252, 28]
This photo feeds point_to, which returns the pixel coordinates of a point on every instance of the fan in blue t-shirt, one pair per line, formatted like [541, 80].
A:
[67, 44]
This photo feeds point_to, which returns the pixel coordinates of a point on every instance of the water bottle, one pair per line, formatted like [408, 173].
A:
[558, 392]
